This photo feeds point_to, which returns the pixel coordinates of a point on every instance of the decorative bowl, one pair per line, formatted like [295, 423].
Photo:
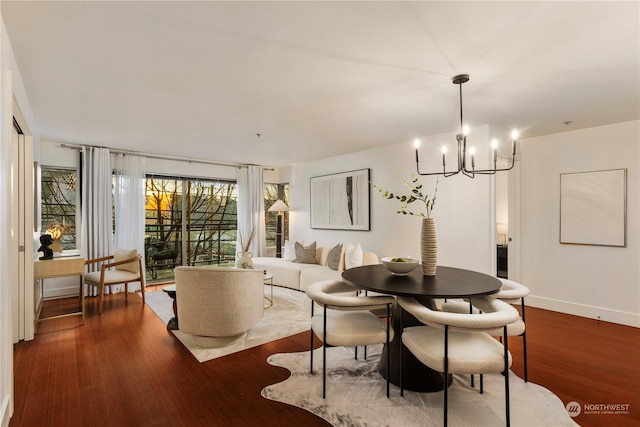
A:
[399, 266]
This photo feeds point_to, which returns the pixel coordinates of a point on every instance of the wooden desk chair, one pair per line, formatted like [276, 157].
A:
[127, 268]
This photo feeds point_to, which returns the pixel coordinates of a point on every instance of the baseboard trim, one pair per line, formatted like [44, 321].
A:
[588, 311]
[54, 293]
[5, 412]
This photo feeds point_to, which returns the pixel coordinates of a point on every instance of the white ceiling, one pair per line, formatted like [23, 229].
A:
[318, 79]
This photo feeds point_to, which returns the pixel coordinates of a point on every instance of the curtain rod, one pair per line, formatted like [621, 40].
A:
[161, 157]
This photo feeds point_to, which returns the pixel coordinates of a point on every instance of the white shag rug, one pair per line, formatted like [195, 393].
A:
[290, 314]
[356, 395]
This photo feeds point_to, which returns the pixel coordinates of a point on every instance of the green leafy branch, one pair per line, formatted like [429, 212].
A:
[414, 195]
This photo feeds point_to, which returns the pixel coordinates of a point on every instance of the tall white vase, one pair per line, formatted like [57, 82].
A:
[429, 246]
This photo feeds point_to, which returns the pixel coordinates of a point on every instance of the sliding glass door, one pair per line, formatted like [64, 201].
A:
[188, 221]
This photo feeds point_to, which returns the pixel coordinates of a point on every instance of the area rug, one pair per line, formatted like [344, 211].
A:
[290, 314]
[356, 396]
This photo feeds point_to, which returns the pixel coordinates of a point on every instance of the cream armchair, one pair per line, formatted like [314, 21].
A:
[218, 305]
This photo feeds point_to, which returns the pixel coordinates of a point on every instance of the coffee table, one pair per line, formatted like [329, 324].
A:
[268, 280]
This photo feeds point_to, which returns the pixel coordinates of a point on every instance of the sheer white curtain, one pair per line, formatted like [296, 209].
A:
[250, 186]
[95, 205]
[129, 201]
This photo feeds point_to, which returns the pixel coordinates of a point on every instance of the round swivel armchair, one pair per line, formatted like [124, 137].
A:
[218, 305]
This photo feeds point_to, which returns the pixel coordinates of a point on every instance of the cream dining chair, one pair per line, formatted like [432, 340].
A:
[512, 293]
[456, 343]
[345, 320]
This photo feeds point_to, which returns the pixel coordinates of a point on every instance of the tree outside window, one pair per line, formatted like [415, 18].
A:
[59, 199]
[188, 222]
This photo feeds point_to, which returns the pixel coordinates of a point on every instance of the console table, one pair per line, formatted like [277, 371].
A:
[59, 267]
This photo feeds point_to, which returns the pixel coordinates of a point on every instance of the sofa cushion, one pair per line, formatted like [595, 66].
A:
[353, 256]
[306, 254]
[334, 257]
[285, 273]
[313, 275]
[289, 250]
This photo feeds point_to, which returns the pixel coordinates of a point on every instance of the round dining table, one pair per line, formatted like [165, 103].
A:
[449, 282]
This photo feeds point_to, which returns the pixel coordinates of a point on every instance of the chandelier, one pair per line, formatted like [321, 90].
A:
[468, 168]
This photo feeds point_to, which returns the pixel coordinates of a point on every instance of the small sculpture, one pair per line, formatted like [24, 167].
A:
[46, 240]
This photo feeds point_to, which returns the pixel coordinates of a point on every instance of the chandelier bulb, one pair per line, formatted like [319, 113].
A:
[465, 130]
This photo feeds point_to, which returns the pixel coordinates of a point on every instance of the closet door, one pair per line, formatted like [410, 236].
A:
[23, 199]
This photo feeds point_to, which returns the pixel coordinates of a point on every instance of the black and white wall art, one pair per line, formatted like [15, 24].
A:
[593, 208]
[341, 201]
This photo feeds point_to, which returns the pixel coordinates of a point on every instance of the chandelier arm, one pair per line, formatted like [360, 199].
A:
[491, 171]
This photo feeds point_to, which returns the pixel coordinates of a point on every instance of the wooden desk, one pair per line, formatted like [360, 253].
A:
[448, 282]
[60, 267]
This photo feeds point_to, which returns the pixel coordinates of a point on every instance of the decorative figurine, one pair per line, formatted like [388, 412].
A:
[46, 240]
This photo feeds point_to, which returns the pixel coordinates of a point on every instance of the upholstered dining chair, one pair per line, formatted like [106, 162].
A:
[345, 320]
[456, 343]
[513, 292]
[121, 268]
[510, 292]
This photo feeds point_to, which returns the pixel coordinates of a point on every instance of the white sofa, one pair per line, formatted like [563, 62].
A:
[300, 275]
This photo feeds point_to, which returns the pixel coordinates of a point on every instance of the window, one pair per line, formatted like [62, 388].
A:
[273, 192]
[59, 200]
[188, 218]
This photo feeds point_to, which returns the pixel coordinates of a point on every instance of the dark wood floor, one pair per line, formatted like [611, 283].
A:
[123, 368]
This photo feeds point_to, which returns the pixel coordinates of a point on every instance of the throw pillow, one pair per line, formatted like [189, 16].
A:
[353, 256]
[289, 253]
[121, 255]
[306, 254]
[334, 257]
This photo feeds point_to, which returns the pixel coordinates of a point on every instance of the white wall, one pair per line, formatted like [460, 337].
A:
[591, 281]
[464, 208]
[13, 101]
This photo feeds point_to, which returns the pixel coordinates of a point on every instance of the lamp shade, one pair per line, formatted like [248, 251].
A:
[279, 206]
[502, 228]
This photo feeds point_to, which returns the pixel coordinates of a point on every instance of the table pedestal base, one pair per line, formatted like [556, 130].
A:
[421, 378]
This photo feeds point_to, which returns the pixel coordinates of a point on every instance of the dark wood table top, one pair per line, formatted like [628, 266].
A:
[449, 282]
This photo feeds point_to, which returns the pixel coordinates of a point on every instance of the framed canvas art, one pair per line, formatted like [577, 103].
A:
[593, 208]
[341, 201]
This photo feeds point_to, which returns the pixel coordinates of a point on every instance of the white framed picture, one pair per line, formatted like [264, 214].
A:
[593, 208]
[341, 201]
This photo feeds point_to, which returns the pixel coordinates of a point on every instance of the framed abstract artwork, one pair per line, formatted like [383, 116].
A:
[341, 201]
[593, 208]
